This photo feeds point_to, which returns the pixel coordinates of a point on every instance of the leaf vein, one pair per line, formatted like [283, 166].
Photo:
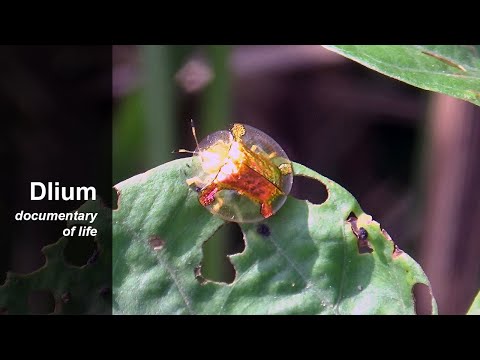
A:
[183, 295]
[308, 283]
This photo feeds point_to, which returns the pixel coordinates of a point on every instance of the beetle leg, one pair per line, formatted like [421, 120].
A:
[207, 196]
[194, 180]
[266, 210]
[218, 204]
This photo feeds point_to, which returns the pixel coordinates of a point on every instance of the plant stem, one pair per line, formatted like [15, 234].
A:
[215, 115]
[159, 100]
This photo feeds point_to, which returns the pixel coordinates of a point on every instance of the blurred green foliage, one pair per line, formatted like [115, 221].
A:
[147, 123]
[449, 69]
[73, 289]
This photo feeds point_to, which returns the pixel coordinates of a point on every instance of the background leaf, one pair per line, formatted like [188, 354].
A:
[449, 69]
[75, 289]
[475, 308]
[303, 260]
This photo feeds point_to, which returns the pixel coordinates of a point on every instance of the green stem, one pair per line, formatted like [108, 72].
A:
[215, 115]
[159, 103]
[216, 107]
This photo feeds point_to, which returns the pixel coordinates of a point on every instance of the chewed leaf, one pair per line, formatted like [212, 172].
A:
[303, 260]
[65, 287]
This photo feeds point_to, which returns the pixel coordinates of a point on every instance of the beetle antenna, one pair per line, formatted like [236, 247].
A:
[183, 151]
[194, 132]
[194, 136]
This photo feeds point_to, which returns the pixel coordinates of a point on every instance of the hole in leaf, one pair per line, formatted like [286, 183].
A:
[387, 235]
[263, 230]
[306, 188]
[114, 199]
[396, 250]
[363, 243]
[32, 257]
[41, 302]
[106, 293]
[156, 243]
[80, 250]
[198, 274]
[93, 259]
[351, 217]
[66, 297]
[361, 233]
[422, 299]
[215, 265]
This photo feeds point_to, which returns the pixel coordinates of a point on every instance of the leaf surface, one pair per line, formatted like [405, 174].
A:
[449, 69]
[303, 260]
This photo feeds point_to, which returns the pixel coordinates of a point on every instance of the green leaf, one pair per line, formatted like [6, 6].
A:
[308, 264]
[75, 289]
[449, 69]
[475, 308]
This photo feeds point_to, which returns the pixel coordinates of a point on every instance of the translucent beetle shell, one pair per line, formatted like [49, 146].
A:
[242, 174]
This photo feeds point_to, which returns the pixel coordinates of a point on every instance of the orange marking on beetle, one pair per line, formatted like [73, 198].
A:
[236, 161]
[207, 196]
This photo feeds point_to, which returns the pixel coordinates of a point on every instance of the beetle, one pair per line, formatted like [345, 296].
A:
[243, 175]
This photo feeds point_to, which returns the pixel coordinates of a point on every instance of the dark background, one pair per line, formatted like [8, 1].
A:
[409, 156]
[56, 111]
